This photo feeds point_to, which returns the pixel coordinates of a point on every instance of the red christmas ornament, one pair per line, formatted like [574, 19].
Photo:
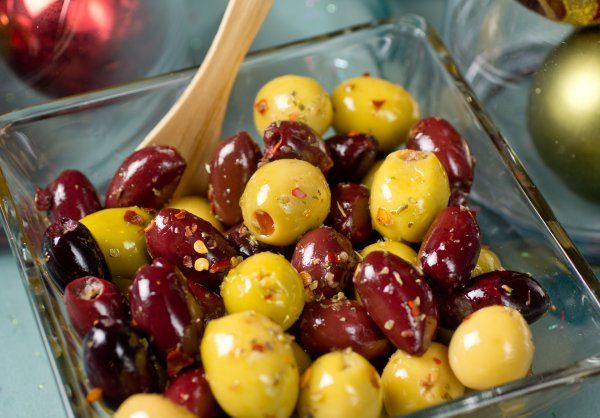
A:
[63, 47]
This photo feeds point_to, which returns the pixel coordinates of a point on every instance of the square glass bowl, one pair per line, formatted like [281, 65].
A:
[95, 132]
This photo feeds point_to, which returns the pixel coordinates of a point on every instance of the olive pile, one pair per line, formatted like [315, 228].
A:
[314, 278]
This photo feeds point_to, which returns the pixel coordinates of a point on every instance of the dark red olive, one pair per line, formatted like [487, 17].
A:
[192, 244]
[211, 303]
[325, 260]
[147, 178]
[439, 136]
[163, 307]
[398, 299]
[450, 248]
[509, 288]
[191, 390]
[70, 195]
[90, 299]
[296, 140]
[71, 252]
[233, 163]
[240, 238]
[118, 361]
[337, 324]
[349, 213]
[352, 154]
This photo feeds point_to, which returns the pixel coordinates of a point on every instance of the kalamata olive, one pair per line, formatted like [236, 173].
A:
[439, 136]
[398, 299]
[70, 195]
[244, 242]
[70, 252]
[191, 390]
[233, 163]
[295, 140]
[325, 260]
[192, 244]
[163, 307]
[332, 324]
[349, 213]
[450, 248]
[118, 361]
[147, 178]
[519, 291]
[90, 299]
[211, 303]
[353, 155]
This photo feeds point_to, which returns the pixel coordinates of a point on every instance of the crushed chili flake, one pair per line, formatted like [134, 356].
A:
[180, 214]
[258, 347]
[294, 116]
[133, 218]
[297, 192]
[437, 361]
[200, 247]
[354, 132]
[261, 106]
[384, 217]
[220, 265]
[366, 74]
[377, 103]
[414, 309]
[94, 395]
[134, 323]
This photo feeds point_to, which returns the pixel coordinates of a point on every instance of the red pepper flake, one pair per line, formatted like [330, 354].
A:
[294, 116]
[366, 74]
[384, 217]
[354, 133]
[258, 347]
[134, 323]
[264, 222]
[94, 395]
[377, 103]
[176, 361]
[277, 146]
[437, 361]
[374, 378]
[269, 296]
[261, 106]
[220, 265]
[180, 214]
[133, 218]
[297, 192]
[414, 309]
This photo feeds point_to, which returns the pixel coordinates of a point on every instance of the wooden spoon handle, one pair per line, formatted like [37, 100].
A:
[193, 124]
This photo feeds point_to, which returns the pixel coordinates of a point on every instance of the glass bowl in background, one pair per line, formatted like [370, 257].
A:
[500, 45]
[95, 132]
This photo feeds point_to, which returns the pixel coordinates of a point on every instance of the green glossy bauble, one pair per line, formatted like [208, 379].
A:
[564, 112]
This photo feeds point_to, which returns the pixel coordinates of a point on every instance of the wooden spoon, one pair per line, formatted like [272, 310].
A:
[193, 124]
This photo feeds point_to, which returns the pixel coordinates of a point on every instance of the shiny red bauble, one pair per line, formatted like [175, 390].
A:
[63, 47]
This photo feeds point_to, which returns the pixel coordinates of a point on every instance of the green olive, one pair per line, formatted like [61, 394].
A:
[368, 178]
[492, 346]
[400, 249]
[268, 284]
[250, 366]
[488, 261]
[411, 383]
[409, 190]
[375, 106]
[198, 206]
[120, 235]
[283, 199]
[302, 359]
[340, 384]
[292, 97]
[151, 406]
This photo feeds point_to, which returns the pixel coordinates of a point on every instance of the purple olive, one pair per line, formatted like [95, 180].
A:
[192, 244]
[439, 136]
[89, 300]
[163, 307]
[352, 154]
[118, 361]
[211, 303]
[509, 288]
[71, 252]
[450, 248]
[325, 260]
[349, 213]
[295, 140]
[337, 324]
[233, 163]
[191, 390]
[239, 237]
[398, 299]
[147, 178]
[70, 195]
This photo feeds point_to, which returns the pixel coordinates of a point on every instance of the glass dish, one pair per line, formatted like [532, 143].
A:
[95, 132]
